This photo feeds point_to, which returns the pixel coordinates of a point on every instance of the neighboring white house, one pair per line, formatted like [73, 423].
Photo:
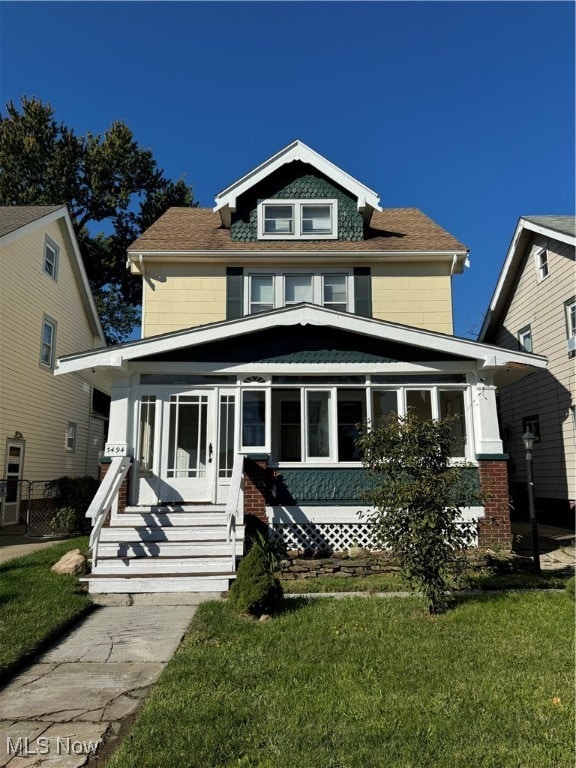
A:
[49, 427]
[272, 325]
[533, 309]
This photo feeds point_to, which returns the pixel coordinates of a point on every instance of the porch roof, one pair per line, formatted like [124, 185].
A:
[377, 337]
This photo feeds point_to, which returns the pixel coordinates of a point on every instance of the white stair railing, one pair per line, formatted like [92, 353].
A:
[104, 498]
[234, 509]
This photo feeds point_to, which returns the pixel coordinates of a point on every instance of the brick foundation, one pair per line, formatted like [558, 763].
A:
[494, 528]
[254, 484]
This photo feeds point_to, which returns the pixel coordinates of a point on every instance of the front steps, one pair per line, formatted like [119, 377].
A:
[166, 549]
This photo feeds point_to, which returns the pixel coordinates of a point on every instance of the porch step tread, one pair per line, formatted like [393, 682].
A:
[159, 575]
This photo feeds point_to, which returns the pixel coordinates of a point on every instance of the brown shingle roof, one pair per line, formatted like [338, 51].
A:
[13, 217]
[199, 229]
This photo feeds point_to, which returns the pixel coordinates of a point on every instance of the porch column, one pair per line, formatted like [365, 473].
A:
[486, 429]
[254, 484]
[494, 530]
[118, 443]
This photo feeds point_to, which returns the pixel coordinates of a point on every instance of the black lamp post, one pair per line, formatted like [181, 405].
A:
[528, 439]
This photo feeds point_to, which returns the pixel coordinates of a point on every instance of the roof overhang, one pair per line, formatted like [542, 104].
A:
[367, 199]
[512, 263]
[495, 361]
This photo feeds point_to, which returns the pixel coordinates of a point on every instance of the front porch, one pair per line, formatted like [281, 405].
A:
[258, 417]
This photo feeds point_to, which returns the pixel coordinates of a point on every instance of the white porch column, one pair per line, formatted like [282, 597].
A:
[119, 427]
[486, 429]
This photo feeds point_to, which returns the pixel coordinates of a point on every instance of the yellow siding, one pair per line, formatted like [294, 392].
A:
[32, 400]
[418, 295]
[415, 297]
[175, 299]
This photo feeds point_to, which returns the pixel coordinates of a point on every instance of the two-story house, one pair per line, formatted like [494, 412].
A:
[48, 427]
[533, 309]
[272, 325]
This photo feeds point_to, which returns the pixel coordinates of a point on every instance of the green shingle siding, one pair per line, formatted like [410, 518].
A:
[298, 181]
[340, 486]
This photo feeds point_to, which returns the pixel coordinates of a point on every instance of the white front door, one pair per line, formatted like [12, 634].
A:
[188, 447]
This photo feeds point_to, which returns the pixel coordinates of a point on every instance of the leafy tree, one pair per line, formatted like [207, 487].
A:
[106, 180]
[417, 498]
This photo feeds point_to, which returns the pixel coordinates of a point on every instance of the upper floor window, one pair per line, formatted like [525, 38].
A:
[51, 252]
[525, 339]
[542, 266]
[280, 289]
[298, 219]
[48, 342]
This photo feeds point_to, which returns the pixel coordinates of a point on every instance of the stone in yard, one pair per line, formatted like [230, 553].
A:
[71, 562]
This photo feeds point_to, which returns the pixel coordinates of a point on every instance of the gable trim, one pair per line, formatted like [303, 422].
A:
[511, 265]
[302, 314]
[297, 150]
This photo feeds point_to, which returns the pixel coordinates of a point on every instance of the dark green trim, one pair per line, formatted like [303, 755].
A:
[492, 457]
[258, 456]
[105, 460]
[234, 293]
[362, 291]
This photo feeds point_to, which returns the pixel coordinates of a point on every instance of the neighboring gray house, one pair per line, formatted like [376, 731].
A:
[533, 309]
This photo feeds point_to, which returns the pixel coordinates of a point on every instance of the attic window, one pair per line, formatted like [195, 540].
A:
[298, 219]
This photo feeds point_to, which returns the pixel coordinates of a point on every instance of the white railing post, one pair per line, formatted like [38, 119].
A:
[233, 505]
[104, 498]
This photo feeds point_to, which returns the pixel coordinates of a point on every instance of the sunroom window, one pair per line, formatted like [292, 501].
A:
[298, 219]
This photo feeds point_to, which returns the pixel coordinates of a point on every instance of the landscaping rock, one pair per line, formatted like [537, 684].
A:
[72, 562]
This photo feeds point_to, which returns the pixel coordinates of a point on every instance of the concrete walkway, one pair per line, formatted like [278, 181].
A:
[75, 697]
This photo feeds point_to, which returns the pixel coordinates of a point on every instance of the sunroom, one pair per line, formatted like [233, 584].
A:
[285, 390]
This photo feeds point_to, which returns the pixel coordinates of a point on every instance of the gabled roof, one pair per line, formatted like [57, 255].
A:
[489, 358]
[12, 217]
[368, 200]
[20, 220]
[199, 231]
[561, 228]
[555, 225]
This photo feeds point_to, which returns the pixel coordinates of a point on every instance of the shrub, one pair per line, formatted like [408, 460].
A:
[417, 499]
[256, 590]
[72, 496]
[571, 586]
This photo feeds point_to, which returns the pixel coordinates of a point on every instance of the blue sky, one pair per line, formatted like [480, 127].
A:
[462, 109]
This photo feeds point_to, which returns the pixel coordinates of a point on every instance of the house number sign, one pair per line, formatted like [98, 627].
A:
[116, 449]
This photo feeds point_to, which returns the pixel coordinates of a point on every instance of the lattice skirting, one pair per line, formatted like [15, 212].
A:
[332, 537]
[335, 537]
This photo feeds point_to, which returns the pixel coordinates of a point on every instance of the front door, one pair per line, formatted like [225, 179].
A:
[187, 454]
[13, 489]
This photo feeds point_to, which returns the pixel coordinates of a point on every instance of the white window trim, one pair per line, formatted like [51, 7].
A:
[278, 276]
[49, 243]
[297, 206]
[538, 254]
[523, 334]
[570, 329]
[54, 325]
[71, 434]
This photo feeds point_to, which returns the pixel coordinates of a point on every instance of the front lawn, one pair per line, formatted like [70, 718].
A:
[36, 604]
[367, 683]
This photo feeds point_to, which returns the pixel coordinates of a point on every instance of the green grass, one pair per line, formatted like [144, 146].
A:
[367, 684]
[36, 604]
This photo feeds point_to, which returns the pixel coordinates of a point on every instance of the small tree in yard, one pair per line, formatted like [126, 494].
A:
[417, 498]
